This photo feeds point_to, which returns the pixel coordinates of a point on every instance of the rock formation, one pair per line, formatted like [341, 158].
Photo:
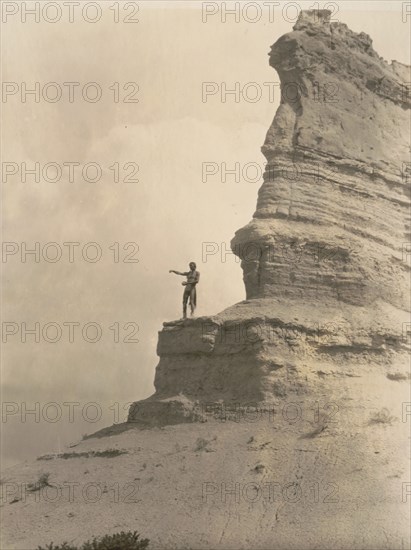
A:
[282, 422]
[325, 258]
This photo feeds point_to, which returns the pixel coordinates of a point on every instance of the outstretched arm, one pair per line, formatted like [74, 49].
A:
[177, 272]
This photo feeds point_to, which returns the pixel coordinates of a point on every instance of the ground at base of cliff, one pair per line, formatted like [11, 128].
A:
[256, 482]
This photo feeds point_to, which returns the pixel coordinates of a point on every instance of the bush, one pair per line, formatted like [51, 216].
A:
[43, 481]
[118, 541]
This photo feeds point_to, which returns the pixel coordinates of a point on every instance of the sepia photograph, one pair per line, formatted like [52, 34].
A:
[205, 275]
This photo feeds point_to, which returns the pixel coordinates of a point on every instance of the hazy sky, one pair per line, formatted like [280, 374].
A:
[170, 213]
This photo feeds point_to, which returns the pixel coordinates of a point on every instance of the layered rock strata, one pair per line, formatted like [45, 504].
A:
[326, 258]
[337, 178]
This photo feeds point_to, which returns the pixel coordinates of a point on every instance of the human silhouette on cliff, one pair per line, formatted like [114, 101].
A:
[193, 277]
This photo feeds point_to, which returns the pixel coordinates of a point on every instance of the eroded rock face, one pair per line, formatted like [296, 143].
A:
[333, 213]
[263, 353]
[325, 258]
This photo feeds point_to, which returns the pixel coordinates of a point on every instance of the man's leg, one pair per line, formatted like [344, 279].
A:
[185, 300]
[193, 300]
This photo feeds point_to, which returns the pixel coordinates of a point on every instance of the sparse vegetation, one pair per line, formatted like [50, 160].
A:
[119, 541]
[382, 417]
[201, 445]
[63, 546]
[397, 376]
[317, 431]
[259, 468]
[109, 453]
[43, 481]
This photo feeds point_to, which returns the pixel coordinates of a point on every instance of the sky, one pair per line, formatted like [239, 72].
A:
[177, 173]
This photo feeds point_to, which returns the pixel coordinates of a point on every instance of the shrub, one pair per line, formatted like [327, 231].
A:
[382, 417]
[123, 540]
[43, 481]
[119, 541]
[397, 376]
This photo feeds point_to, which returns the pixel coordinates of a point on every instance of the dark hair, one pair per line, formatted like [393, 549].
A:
[193, 263]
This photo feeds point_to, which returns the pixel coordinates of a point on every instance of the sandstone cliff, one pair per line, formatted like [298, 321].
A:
[337, 154]
[282, 422]
[325, 258]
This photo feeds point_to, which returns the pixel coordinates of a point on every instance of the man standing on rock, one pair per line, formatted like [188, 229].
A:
[193, 277]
